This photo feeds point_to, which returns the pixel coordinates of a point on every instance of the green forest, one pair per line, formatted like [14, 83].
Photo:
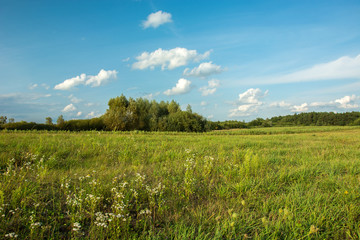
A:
[128, 114]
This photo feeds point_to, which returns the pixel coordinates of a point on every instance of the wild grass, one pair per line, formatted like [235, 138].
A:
[282, 183]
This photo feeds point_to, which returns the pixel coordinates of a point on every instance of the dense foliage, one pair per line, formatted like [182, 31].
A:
[141, 114]
[310, 119]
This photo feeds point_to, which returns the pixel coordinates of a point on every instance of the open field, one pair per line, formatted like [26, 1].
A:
[267, 183]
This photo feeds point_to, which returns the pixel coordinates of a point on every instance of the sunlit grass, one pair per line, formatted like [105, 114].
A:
[268, 183]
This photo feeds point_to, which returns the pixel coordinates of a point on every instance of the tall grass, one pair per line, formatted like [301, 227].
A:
[288, 183]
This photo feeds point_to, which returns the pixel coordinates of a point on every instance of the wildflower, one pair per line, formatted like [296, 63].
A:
[76, 227]
[11, 235]
[146, 211]
[346, 192]
[37, 224]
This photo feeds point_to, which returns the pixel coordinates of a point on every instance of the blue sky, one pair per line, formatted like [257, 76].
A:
[234, 60]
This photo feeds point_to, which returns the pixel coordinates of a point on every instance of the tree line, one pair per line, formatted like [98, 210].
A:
[125, 114]
[309, 119]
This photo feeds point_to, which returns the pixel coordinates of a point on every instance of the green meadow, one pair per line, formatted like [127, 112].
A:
[261, 183]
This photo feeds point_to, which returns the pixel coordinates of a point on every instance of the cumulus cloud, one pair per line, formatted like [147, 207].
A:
[69, 108]
[92, 115]
[210, 88]
[78, 114]
[346, 102]
[300, 108]
[252, 96]
[248, 102]
[156, 19]
[203, 70]
[71, 82]
[94, 81]
[182, 86]
[102, 77]
[169, 59]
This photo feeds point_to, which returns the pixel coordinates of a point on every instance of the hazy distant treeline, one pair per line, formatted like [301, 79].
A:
[141, 114]
[126, 115]
[310, 119]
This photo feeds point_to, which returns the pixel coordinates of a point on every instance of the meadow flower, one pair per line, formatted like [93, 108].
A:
[76, 227]
[37, 224]
[146, 211]
[11, 235]
[101, 220]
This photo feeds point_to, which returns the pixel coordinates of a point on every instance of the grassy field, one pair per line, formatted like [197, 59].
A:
[268, 183]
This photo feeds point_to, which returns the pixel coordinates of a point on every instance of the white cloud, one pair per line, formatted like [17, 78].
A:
[243, 110]
[78, 114]
[347, 102]
[151, 95]
[69, 108]
[300, 108]
[280, 104]
[71, 82]
[210, 117]
[126, 59]
[182, 87]
[248, 102]
[92, 115]
[252, 96]
[95, 81]
[102, 77]
[203, 103]
[342, 68]
[169, 59]
[203, 70]
[211, 88]
[156, 19]
[33, 86]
